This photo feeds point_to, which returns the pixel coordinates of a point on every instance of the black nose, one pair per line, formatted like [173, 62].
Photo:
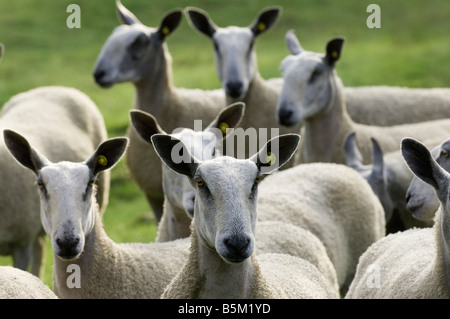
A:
[234, 88]
[285, 116]
[98, 75]
[68, 247]
[238, 248]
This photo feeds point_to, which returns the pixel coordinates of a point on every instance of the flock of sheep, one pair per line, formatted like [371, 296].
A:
[346, 202]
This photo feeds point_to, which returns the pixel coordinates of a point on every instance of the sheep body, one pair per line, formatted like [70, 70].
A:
[285, 238]
[392, 105]
[388, 269]
[19, 284]
[151, 76]
[333, 202]
[64, 123]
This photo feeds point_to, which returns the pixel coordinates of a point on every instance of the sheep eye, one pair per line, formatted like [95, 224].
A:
[316, 73]
[40, 184]
[200, 182]
[444, 153]
[216, 46]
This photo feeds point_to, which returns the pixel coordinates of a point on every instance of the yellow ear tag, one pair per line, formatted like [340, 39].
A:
[335, 55]
[261, 26]
[102, 160]
[271, 158]
[223, 127]
[165, 30]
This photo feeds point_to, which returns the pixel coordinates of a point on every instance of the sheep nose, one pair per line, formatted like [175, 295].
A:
[238, 247]
[98, 75]
[68, 247]
[285, 116]
[234, 88]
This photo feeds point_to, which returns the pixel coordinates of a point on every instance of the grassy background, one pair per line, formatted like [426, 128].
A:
[410, 49]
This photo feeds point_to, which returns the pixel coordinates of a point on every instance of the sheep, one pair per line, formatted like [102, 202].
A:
[313, 94]
[413, 263]
[18, 284]
[389, 178]
[421, 199]
[334, 203]
[389, 105]
[221, 261]
[87, 263]
[138, 54]
[64, 123]
[178, 193]
[237, 69]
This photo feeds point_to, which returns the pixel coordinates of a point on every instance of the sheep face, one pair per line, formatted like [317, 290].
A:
[421, 199]
[226, 191]
[67, 193]
[133, 51]
[66, 190]
[307, 87]
[235, 56]
[128, 55]
[226, 206]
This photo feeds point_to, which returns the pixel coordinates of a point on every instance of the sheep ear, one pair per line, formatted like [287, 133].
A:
[422, 164]
[169, 23]
[378, 160]
[145, 125]
[265, 20]
[107, 154]
[334, 48]
[200, 21]
[175, 155]
[292, 43]
[352, 155]
[228, 118]
[124, 15]
[21, 150]
[276, 152]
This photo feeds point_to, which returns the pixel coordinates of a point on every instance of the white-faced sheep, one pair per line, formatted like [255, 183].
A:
[313, 94]
[414, 263]
[138, 54]
[64, 123]
[18, 284]
[389, 177]
[389, 105]
[179, 195]
[237, 69]
[421, 199]
[221, 263]
[84, 256]
[271, 236]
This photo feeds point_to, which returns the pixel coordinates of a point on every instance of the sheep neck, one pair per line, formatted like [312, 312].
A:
[153, 92]
[94, 246]
[328, 128]
[218, 279]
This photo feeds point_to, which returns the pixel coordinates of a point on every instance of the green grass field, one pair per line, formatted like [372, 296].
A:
[410, 49]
